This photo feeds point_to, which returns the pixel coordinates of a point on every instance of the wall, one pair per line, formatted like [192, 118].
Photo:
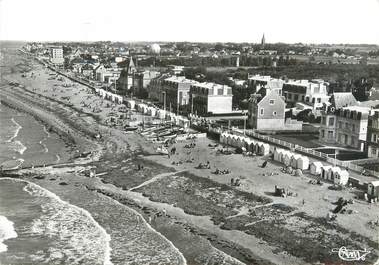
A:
[220, 104]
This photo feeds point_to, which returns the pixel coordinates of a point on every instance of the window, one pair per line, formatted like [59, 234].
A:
[324, 120]
[296, 97]
[340, 124]
[331, 121]
[319, 100]
[272, 101]
[330, 135]
[347, 126]
[307, 99]
[274, 113]
[313, 100]
[353, 127]
[352, 141]
[262, 111]
[374, 137]
[302, 98]
[322, 133]
[339, 137]
[346, 139]
[373, 151]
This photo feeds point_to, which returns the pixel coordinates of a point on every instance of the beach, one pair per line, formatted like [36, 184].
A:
[167, 212]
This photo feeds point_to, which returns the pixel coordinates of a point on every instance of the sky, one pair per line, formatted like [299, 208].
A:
[289, 21]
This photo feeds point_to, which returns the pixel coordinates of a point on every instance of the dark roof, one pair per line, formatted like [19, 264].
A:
[343, 99]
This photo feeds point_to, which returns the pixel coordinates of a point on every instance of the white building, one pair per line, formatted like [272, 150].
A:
[313, 93]
[56, 54]
[210, 98]
[345, 126]
[256, 82]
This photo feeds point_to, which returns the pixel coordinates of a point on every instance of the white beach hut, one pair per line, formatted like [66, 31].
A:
[315, 168]
[256, 147]
[286, 158]
[240, 142]
[341, 177]
[278, 154]
[302, 163]
[294, 159]
[223, 137]
[332, 172]
[131, 104]
[373, 188]
[264, 149]
[324, 171]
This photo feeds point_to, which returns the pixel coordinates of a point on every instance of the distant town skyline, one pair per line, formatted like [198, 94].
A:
[290, 21]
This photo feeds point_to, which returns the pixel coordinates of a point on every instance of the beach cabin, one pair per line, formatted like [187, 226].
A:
[223, 138]
[315, 168]
[332, 173]
[341, 178]
[264, 149]
[240, 142]
[235, 141]
[302, 163]
[161, 114]
[229, 139]
[251, 146]
[286, 158]
[373, 189]
[324, 171]
[278, 154]
[256, 147]
[294, 158]
[153, 112]
[248, 142]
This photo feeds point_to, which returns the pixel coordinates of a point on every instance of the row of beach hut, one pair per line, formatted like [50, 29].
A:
[331, 173]
[159, 113]
[245, 142]
[289, 158]
[109, 95]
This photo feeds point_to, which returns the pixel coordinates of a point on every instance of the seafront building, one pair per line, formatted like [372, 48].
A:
[266, 110]
[256, 82]
[141, 82]
[346, 126]
[313, 93]
[210, 98]
[177, 90]
[56, 54]
[373, 134]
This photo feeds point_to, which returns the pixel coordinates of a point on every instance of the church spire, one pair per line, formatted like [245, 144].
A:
[263, 41]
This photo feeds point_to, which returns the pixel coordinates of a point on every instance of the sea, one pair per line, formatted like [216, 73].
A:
[26, 142]
[36, 226]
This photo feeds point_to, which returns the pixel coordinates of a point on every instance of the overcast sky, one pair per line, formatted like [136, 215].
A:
[290, 21]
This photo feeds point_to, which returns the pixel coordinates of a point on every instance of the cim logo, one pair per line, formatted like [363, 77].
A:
[351, 254]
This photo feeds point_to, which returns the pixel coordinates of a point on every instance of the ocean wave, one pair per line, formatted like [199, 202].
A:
[73, 225]
[6, 232]
[80, 239]
[17, 130]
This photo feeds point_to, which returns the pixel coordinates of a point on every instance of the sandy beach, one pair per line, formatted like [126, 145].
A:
[171, 211]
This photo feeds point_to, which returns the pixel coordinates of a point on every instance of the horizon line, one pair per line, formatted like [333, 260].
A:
[186, 41]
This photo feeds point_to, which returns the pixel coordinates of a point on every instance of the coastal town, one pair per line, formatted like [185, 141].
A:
[211, 146]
